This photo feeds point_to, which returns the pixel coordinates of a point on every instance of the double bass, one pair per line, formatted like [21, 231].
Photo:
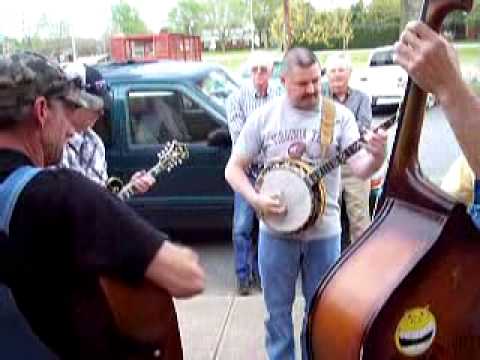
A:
[408, 288]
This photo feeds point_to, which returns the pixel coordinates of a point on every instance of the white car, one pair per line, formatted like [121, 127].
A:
[383, 80]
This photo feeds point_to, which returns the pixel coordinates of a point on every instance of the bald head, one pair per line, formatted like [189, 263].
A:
[298, 57]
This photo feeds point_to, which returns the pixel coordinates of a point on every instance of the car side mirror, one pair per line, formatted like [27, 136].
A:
[219, 137]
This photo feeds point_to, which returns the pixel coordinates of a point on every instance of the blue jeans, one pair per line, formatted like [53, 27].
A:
[281, 261]
[246, 261]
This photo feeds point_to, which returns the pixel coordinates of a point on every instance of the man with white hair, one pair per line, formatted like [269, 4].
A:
[355, 191]
[239, 107]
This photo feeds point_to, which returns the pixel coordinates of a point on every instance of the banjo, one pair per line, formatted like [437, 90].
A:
[299, 185]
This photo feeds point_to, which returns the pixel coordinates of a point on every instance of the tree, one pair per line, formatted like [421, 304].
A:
[384, 11]
[126, 19]
[410, 9]
[225, 17]
[287, 28]
[187, 17]
[343, 23]
[358, 12]
[263, 15]
[308, 27]
[473, 18]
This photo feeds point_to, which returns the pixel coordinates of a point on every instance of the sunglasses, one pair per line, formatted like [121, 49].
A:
[259, 69]
[99, 88]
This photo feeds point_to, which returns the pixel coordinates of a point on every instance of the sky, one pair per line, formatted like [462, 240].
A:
[90, 18]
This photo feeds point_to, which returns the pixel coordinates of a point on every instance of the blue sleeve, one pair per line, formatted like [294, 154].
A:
[364, 115]
[474, 209]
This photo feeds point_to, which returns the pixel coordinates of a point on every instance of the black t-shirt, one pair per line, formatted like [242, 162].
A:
[65, 231]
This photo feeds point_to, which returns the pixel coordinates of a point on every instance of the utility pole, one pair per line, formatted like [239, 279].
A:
[74, 48]
[252, 25]
[72, 39]
[287, 36]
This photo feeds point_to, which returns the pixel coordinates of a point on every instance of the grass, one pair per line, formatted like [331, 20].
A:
[476, 87]
[469, 53]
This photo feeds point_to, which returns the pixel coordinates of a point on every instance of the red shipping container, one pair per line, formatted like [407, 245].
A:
[146, 47]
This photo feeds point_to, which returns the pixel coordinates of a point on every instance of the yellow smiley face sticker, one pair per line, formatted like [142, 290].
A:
[415, 331]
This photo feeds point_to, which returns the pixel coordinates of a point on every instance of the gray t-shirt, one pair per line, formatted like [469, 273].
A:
[273, 129]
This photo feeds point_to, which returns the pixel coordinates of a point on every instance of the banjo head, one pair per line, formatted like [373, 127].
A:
[294, 192]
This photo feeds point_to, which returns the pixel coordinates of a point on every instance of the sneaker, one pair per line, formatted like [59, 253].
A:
[243, 288]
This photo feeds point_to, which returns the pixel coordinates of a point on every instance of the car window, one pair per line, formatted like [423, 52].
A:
[382, 58]
[156, 117]
[277, 69]
[199, 121]
[218, 85]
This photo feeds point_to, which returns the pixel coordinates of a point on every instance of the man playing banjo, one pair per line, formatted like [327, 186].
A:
[302, 129]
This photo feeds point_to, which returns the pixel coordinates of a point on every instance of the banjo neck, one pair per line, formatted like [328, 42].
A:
[342, 157]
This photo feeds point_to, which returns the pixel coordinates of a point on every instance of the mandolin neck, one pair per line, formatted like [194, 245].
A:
[128, 190]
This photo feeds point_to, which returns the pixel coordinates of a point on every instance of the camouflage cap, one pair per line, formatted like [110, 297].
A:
[25, 76]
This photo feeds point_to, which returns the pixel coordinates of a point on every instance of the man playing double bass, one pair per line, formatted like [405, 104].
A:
[289, 127]
[433, 64]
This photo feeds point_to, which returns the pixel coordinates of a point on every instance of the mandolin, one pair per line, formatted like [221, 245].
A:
[171, 156]
[408, 287]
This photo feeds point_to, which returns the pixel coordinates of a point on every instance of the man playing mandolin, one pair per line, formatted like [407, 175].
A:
[290, 127]
[60, 233]
[85, 151]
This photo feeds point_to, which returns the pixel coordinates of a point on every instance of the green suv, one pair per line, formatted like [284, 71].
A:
[154, 103]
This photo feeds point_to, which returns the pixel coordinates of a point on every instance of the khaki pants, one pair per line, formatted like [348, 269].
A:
[356, 194]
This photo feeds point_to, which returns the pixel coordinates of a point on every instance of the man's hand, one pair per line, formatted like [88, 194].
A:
[428, 58]
[371, 157]
[142, 181]
[177, 269]
[270, 204]
[376, 142]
